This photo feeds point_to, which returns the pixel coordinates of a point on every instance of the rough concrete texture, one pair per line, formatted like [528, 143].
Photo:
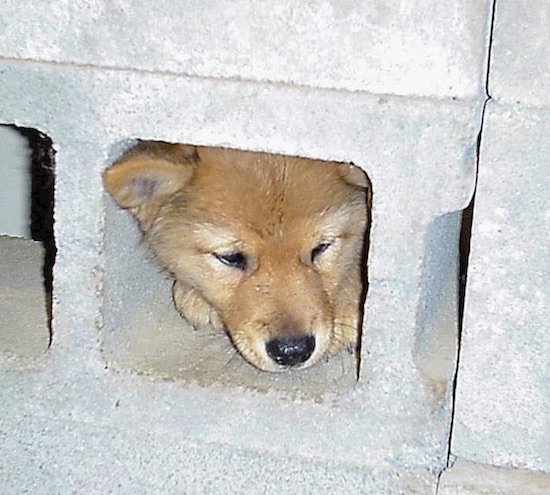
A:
[85, 457]
[503, 394]
[24, 331]
[386, 47]
[520, 65]
[110, 409]
[476, 479]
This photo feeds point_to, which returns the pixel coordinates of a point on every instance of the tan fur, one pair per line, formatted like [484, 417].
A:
[198, 207]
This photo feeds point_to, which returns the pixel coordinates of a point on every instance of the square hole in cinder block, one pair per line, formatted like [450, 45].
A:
[270, 257]
[27, 246]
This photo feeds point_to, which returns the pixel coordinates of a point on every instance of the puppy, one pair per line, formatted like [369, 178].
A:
[267, 248]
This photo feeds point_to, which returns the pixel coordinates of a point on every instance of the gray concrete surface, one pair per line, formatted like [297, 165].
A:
[384, 47]
[503, 394]
[503, 391]
[83, 457]
[468, 478]
[520, 68]
[24, 330]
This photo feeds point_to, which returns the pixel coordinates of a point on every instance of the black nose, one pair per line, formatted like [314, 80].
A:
[291, 350]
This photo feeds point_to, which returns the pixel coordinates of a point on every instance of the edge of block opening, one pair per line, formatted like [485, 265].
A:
[40, 221]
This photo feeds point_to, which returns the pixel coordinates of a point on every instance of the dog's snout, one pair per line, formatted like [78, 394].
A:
[291, 350]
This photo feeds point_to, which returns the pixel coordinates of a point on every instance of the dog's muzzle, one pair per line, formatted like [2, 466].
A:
[291, 350]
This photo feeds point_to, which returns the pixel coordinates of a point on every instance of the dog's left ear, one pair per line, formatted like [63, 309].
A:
[354, 175]
[147, 175]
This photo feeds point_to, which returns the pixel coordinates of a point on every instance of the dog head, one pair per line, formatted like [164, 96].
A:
[267, 247]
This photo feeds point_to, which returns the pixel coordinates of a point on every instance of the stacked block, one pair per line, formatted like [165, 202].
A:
[503, 387]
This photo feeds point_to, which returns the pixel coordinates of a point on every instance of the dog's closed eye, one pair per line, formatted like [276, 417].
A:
[234, 260]
[318, 250]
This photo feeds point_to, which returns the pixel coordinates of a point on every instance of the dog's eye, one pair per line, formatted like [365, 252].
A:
[236, 260]
[318, 250]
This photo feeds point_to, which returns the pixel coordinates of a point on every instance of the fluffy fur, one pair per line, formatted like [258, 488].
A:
[268, 248]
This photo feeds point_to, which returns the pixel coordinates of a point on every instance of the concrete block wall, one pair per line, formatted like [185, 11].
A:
[113, 405]
[502, 416]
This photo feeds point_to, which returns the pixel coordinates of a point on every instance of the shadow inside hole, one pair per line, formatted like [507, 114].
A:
[465, 239]
[27, 246]
[364, 276]
[42, 198]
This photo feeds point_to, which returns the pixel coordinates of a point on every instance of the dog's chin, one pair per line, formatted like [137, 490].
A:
[255, 354]
[272, 367]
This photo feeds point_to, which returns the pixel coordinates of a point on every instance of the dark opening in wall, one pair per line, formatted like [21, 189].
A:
[465, 236]
[27, 241]
[268, 253]
[42, 197]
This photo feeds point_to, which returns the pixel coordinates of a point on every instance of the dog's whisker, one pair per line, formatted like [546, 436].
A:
[210, 335]
[345, 325]
[234, 359]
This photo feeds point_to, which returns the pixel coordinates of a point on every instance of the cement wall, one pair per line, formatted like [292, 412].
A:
[110, 408]
[503, 387]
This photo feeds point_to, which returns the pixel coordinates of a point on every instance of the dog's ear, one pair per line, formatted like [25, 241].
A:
[353, 175]
[143, 178]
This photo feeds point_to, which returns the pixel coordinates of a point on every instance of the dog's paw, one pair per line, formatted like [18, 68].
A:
[194, 308]
[346, 332]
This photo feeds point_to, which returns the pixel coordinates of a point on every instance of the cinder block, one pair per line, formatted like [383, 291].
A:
[520, 62]
[390, 419]
[503, 393]
[407, 48]
[91, 458]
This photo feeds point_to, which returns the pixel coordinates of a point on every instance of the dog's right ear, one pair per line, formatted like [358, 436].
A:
[143, 178]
